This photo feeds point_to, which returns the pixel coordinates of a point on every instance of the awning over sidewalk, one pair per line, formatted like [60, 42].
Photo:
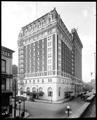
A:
[20, 98]
[40, 93]
[69, 92]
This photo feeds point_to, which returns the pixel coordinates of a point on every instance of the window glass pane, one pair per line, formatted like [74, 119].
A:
[3, 66]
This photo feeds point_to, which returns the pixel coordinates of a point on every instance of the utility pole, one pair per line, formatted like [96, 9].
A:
[95, 67]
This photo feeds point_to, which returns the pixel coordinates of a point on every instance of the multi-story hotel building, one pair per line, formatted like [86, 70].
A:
[50, 58]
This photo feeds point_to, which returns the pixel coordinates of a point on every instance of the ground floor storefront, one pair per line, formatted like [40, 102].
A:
[6, 94]
[49, 88]
[6, 106]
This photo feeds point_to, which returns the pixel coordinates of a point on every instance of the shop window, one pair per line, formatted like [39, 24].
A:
[40, 89]
[34, 89]
[59, 90]
[21, 91]
[50, 93]
[28, 89]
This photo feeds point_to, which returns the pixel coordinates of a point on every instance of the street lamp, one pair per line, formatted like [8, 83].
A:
[19, 106]
[24, 107]
[68, 110]
[37, 91]
[15, 79]
[23, 113]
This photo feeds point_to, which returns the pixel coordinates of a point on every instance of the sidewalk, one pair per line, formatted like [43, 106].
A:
[45, 101]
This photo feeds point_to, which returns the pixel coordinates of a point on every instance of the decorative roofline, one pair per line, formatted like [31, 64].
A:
[54, 10]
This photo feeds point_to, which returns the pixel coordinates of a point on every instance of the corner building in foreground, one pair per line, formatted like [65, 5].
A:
[50, 58]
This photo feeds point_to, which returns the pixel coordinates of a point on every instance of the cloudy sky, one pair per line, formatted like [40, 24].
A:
[81, 15]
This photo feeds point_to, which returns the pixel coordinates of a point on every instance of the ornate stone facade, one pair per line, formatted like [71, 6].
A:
[45, 57]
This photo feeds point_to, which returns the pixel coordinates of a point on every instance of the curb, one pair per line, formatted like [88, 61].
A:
[53, 102]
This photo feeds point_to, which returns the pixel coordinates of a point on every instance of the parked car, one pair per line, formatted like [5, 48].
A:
[84, 96]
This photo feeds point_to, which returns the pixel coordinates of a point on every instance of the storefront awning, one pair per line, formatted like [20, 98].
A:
[68, 91]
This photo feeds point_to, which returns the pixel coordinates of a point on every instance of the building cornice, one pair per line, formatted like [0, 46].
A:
[32, 35]
[7, 49]
[65, 34]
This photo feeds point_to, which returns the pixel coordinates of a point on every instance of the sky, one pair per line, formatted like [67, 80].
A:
[80, 15]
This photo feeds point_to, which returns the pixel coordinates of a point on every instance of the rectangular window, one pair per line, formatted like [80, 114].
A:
[49, 61]
[49, 80]
[3, 65]
[33, 81]
[49, 38]
[38, 80]
[49, 55]
[50, 43]
[49, 67]
[3, 85]
[42, 80]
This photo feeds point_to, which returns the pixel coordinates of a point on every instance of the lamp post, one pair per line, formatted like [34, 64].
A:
[23, 113]
[68, 110]
[24, 107]
[95, 65]
[15, 77]
[37, 91]
[19, 106]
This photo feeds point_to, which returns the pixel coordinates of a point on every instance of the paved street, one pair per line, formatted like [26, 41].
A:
[91, 111]
[48, 110]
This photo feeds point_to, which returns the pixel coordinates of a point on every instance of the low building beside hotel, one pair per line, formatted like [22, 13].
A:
[6, 78]
[50, 58]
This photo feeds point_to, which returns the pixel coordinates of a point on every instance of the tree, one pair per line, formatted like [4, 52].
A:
[14, 82]
[14, 69]
[87, 87]
[14, 85]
